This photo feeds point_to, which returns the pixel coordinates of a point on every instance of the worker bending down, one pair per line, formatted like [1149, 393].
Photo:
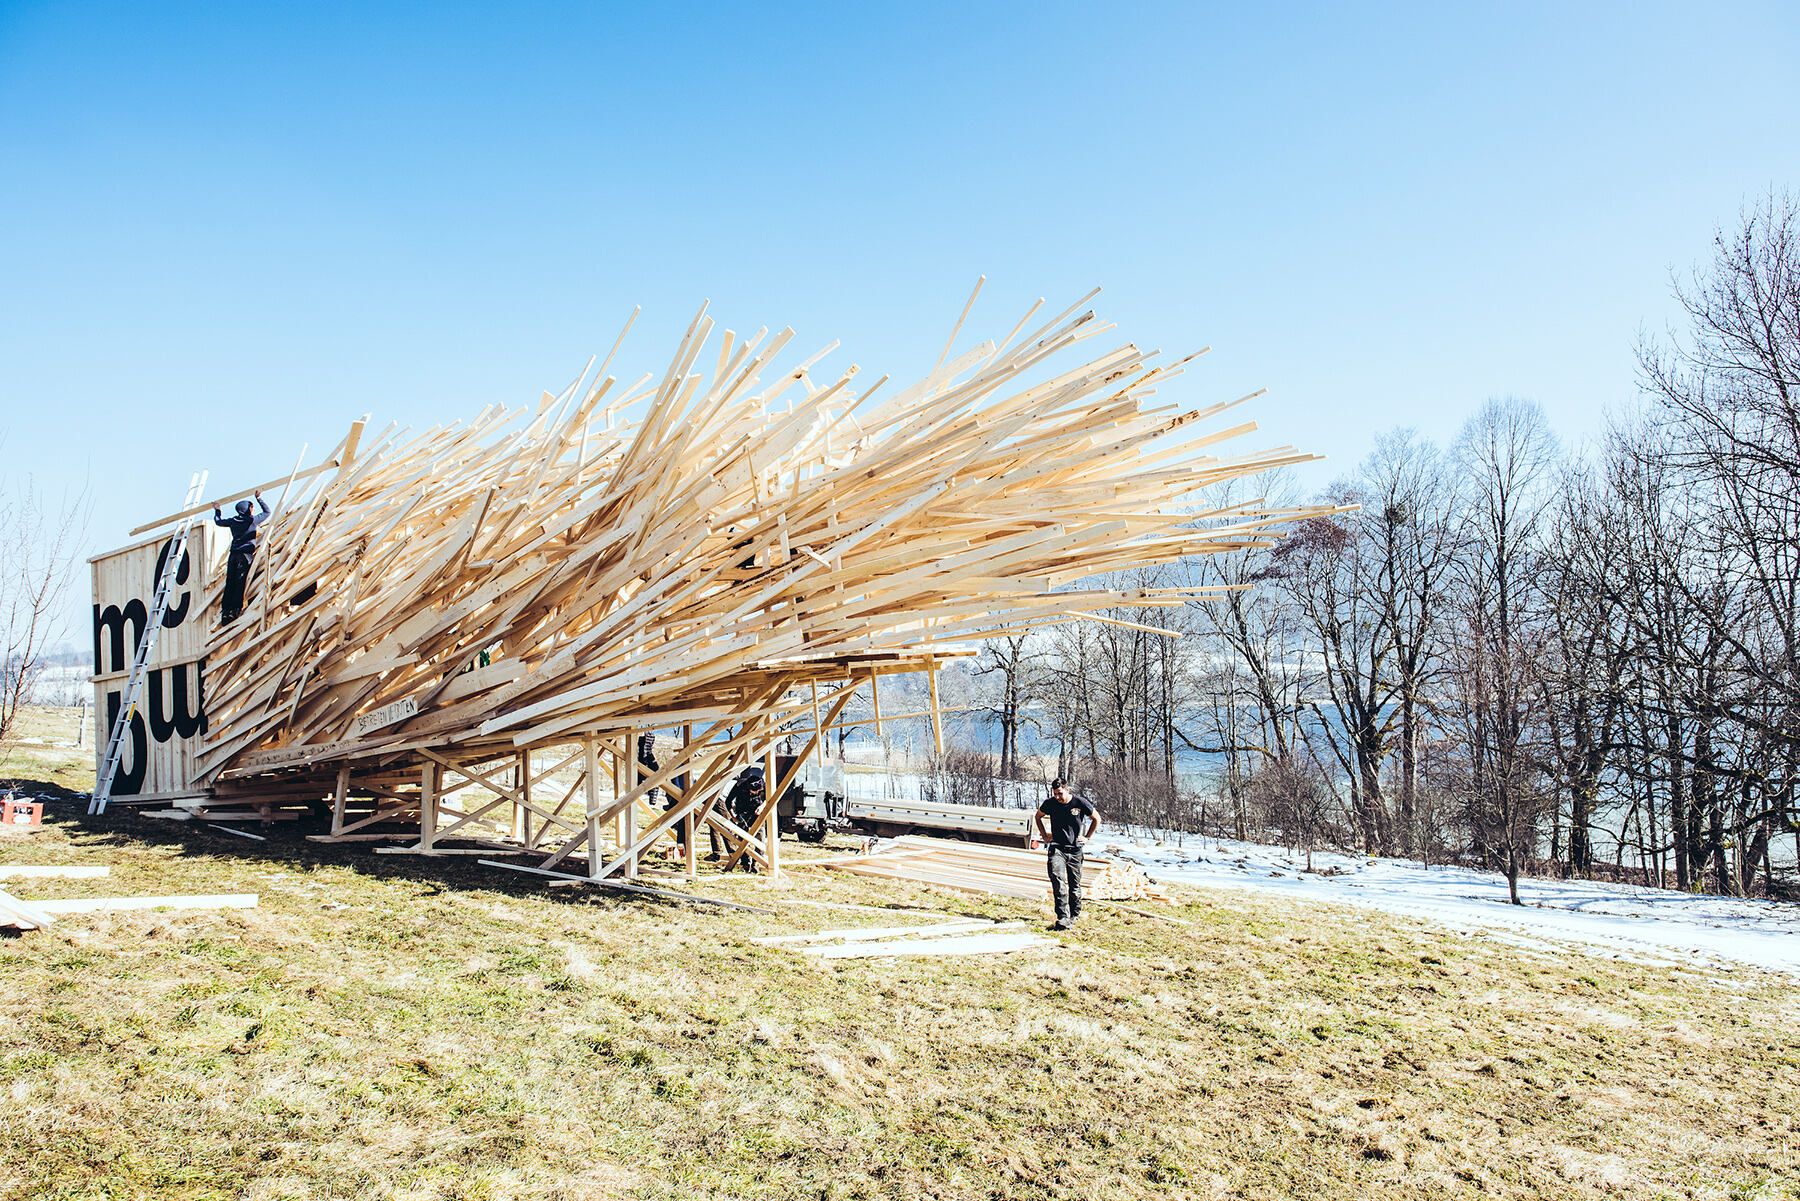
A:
[242, 524]
[746, 801]
[1059, 819]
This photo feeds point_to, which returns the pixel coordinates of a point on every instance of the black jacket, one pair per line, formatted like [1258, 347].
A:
[242, 524]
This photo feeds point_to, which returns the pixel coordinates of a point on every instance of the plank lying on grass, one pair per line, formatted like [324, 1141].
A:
[241, 833]
[16, 914]
[620, 886]
[218, 815]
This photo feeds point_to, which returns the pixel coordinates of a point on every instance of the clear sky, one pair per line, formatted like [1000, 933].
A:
[227, 230]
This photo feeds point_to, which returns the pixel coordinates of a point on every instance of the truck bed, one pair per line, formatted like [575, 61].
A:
[1010, 827]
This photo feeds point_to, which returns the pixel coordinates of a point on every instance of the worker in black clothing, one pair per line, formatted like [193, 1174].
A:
[242, 525]
[1060, 819]
[648, 765]
[746, 801]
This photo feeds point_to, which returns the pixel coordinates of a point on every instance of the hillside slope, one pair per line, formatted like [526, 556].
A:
[384, 1027]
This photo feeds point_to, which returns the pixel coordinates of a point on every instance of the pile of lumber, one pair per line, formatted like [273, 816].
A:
[623, 556]
[1001, 871]
[729, 547]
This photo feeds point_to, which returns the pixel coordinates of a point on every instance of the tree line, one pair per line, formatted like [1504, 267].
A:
[1501, 652]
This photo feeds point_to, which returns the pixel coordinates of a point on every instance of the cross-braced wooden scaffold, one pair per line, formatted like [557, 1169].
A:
[461, 633]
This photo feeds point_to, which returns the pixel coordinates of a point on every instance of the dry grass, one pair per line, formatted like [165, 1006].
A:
[43, 747]
[385, 1027]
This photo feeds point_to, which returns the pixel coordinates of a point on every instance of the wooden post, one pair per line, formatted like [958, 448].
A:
[521, 823]
[937, 716]
[590, 783]
[772, 823]
[619, 786]
[875, 697]
[338, 796]
[428, 804]
[692, 854]
[628, 826]
[693, 827]
[825, 746]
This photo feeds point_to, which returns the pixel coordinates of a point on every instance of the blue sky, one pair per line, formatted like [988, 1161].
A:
[226, 231]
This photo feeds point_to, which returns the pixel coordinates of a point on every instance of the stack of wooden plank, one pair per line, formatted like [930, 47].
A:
[1001, 871]
[705, 549]
[664, 547]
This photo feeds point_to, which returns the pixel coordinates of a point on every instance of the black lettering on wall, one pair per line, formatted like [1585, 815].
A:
[175, 614]
[172, 706]
[178, 718]
[134, 764]
[111, 621]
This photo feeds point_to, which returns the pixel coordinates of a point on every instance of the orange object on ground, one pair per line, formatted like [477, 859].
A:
[21, 815]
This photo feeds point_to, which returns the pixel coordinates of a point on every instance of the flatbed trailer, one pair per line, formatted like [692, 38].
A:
[972, 823]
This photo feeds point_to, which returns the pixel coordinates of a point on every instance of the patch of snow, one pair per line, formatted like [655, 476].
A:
[1650, 925]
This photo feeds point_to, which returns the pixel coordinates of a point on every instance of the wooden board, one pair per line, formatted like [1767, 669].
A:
[169, 721]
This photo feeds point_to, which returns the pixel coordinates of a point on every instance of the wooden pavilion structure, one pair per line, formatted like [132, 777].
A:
[459, 634]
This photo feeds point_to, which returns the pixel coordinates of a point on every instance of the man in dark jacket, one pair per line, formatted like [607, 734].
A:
[648, 765]
[746, 801]
[242, 525]
[1060, 819]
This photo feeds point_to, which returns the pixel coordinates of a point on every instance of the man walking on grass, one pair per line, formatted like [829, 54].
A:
[1060, 819]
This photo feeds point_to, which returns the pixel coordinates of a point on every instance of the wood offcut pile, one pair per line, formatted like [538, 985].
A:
[1002, 871]
[714, 547]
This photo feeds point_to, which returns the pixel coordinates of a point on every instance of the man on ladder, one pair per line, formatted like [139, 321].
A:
[242, 525]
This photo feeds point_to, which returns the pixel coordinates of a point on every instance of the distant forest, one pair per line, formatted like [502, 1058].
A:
[1500, 652]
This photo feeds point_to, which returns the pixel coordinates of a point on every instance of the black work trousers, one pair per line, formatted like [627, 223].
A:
[237, 573]
[1065, 881]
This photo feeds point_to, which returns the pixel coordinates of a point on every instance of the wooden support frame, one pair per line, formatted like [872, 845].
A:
[937, 713]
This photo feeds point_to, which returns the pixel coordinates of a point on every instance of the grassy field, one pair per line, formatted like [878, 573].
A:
[382, 1026]
[43, 747]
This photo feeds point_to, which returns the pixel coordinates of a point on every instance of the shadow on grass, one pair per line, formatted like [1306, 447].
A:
[285, 844]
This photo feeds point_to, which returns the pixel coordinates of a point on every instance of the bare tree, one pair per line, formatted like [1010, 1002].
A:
[1012, 666]
[1369, 588]
[1251, 666]
[1417, 493]
[1507, 455]
[1728, 395]
[38, 561]
[1584, 672]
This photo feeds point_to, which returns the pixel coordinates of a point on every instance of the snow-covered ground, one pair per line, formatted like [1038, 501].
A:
[1644, 924]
